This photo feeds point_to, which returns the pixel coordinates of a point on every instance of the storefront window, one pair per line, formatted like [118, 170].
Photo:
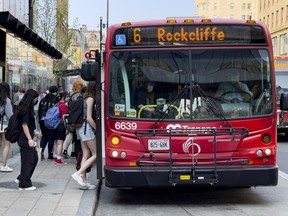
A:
[27, 67]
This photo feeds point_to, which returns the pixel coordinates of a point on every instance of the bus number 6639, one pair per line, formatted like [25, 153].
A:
[125, 126]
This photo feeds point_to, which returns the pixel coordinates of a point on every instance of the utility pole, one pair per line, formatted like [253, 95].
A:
[107, 19]
[101, 37]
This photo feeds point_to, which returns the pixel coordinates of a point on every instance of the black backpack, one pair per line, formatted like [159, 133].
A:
[13, 130]
[74, 117]
[44, 106]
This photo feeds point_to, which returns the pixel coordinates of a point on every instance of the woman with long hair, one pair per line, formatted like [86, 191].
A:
[87, 137]
[6, 111]
[29, 157]
[76, 145]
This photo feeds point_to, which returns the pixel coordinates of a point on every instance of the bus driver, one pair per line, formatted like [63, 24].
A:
[234, 90]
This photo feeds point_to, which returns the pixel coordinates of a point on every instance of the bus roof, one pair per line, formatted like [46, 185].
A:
[182, 21]
[188, 32]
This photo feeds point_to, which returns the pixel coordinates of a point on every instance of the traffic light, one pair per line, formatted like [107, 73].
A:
[93, 54]
[87, 55]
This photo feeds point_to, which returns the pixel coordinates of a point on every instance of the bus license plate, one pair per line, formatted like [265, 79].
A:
[158, 144]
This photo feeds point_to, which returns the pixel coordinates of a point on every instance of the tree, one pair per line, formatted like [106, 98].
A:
[45, 20]
[51, 23]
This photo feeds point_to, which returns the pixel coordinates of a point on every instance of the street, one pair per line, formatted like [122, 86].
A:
[259, 201]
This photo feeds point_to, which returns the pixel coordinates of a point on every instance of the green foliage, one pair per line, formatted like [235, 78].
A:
[51, 23]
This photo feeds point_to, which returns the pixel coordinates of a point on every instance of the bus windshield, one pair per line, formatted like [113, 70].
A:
[281, 83]
[190, 84]
[281, 69]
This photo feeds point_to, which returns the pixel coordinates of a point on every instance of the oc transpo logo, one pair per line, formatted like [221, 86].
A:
[190, 147]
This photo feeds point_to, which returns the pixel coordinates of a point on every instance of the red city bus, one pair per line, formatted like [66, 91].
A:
[188, 102]
[281, 72]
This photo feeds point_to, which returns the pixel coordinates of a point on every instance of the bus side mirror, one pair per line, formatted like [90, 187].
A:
[89, 70]
[284, 101]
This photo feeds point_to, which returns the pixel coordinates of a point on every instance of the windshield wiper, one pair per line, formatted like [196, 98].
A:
[210, 104]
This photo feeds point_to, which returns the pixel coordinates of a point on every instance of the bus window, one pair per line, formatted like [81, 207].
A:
[145, 83]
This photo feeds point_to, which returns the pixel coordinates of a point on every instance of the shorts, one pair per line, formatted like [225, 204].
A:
[89, 135]
[60, 132]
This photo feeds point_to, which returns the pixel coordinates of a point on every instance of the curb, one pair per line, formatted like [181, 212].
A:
[89, 199]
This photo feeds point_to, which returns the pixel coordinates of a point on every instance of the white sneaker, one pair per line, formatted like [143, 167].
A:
[78, 179]
[32, 188]
[88, 186]
[6, 169]
[16, 181]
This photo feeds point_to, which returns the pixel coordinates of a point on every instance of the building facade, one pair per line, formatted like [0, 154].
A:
[26, 59]
[232, 9]
[62, 29]
[83, 41]
[274, 13]
[54, 29]
[18, 8]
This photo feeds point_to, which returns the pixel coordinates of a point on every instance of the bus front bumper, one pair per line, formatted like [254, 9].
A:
[127, 177]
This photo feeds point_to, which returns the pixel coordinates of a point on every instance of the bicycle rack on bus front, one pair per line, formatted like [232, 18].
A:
[191, 168]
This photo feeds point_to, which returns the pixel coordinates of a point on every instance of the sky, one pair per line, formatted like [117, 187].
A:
[89, 11]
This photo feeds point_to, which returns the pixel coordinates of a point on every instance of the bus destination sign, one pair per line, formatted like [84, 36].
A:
[177, 35]
[183, 35]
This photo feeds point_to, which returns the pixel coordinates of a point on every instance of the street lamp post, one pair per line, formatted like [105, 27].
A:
[101, 18]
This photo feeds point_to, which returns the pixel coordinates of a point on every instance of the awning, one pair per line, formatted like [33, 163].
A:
[13, 25]
[73, 72]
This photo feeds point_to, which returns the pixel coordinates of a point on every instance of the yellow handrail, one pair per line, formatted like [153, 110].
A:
[154, 105]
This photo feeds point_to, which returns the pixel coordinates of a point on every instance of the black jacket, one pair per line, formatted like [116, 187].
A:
[46, 103]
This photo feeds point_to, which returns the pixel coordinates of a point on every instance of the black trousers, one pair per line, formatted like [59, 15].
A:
[29, 160]
[48, 136]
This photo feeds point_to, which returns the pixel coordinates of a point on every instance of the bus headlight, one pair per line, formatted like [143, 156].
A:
[259, 153]
[114, 154]
[123, 154]
[268, 151]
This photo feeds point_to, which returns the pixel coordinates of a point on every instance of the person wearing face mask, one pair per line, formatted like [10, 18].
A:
[144, 94]
[233, 90]
[47, 135]
[29, 157]
[149, 88]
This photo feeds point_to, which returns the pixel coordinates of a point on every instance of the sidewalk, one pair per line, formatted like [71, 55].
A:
[56, 194]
